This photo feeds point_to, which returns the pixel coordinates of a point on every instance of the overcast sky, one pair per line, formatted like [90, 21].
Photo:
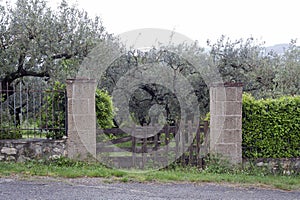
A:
[272, 21]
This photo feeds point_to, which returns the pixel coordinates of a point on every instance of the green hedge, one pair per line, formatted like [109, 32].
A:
[271, 127]
[104, 109]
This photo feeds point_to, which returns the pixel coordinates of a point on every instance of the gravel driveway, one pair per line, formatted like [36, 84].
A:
[95, 188]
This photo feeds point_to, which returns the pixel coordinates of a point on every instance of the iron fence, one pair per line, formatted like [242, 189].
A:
[32, 111]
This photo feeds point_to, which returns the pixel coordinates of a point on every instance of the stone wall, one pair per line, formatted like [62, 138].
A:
[29, 149]
[277, 165]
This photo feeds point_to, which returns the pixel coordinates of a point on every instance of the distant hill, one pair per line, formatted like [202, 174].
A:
[278, 48]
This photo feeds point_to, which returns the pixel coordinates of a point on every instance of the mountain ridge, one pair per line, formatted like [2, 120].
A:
[278, 48]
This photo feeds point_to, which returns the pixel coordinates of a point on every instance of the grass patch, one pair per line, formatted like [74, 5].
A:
[72, 169]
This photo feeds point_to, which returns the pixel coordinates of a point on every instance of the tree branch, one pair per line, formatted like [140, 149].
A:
[7, 88]
[63, 55]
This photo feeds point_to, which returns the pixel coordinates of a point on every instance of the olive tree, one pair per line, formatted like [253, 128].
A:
[37, 41]
[151, 98]
[287, 81]
[265, 73]
[246, 61]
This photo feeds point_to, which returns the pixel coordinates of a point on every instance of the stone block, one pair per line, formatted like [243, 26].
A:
[9, 151]
[37, 151]
[57, 150]
[217, 108]
[220, 94]
[54, 157]
[85, 122]
[226, 149]
[81, 106]
[239, 122]
[215, 137]
[212, 94]
[11, 158]
[22, 158]
[69, 91]
[239, 93]
[232, 122]
[232, 136]
[217, 122]
[81, 144]
[46, 150]
[230, 152]
[217, 94]
[239, 148]
[81, 88]
[233, 108]
[231, 94]
[81, 122]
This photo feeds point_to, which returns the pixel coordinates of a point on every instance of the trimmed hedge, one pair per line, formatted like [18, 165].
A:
[271, 127]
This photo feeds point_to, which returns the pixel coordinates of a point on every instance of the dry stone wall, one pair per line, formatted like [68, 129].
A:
[29, 149]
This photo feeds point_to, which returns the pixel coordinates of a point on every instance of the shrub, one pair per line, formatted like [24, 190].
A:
[53, 118]
[9, 134]
[104, 109]
[271, 127]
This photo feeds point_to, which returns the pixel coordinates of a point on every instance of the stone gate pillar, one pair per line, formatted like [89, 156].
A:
[226, 121]
[81, 118]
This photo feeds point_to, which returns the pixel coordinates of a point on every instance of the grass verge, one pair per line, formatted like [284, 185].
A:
[72, 169]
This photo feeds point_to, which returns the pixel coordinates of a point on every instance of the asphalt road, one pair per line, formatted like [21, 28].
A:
[93, 188]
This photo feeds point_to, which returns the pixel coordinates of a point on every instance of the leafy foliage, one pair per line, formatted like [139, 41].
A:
[104, 109]
[265, 73]
[53, 118]
[54, 111]
[287, 81]
[37, 41]
[7, 134]
[271, 127]
[151, 101]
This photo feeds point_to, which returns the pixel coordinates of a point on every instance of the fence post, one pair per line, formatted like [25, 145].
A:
[226, 121]
[81, 118]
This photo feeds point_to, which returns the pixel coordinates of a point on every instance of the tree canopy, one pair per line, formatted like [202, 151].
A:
[37, 41]
[265, 73]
